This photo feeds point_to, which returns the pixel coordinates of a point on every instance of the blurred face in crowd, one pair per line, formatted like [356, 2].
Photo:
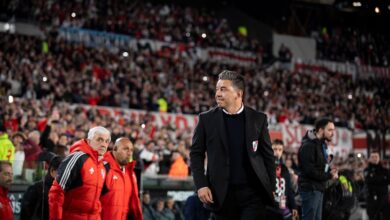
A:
[226, 95]
[100, 142]
[17, 140]
[170, 203]
[374, 158]
[6, 175]
[63, 140]
[160, 205]
[278, 150]
[123, 151]
[34, 137]
[146, 198]
[327, 132]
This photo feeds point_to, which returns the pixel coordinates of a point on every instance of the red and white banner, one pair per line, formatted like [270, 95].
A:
[178, 121]
[341, 143]
[374, 72]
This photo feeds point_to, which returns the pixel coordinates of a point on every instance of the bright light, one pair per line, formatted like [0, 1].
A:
[125, 54]
[388, 7]
[359, 155]
[143, 126]
[7, 26]
[357, 4]
[73, 15]
[10, 99]
[44, 79]
[205, 78]
[350, 96]
[204, 35]
[377, 10]
[266, 93]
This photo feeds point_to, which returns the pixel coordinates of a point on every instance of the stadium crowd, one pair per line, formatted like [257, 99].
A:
[147, 80]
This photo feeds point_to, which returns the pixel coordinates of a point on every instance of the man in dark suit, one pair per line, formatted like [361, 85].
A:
[239, 180]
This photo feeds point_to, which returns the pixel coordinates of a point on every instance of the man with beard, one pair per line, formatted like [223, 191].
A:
[314, 168]
[377, 179]
[120, 191]
[5, 183]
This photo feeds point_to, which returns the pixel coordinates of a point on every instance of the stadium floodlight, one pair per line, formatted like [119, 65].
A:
[10, 99]
[377, 10]
[357, 4]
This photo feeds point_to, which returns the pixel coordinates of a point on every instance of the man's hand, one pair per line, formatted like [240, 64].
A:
[205, 195]
[335, 173]
[295, 213]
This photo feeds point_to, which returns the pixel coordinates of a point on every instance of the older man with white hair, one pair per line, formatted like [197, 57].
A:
[76, 189]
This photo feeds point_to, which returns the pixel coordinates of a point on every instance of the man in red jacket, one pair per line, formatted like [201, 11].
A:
[5, 183]
[120, 192]
[77, 187]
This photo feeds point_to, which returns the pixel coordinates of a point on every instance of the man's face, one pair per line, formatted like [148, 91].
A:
[278, 150]
[100, 143]
[374, 158]
[6, 176]
[226, 95]
[328, 131]
[124, 152]
[146, 198]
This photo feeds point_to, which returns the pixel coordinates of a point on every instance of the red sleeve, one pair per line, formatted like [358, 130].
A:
[56, 200]
[135, 204]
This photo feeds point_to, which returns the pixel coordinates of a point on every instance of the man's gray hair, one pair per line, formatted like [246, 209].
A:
[97, 130]
[237, 79]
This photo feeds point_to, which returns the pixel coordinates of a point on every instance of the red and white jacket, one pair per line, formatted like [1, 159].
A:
[120, 192]
[77, 187]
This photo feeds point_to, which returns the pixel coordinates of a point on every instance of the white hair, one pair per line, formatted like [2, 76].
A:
[99, 130]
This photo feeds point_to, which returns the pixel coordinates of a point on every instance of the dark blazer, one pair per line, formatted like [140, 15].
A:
[210, 137]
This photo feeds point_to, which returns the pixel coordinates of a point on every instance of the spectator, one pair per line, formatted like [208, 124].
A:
[35, 204]
[179, 168]
[314, 168]
[6, 175]
[377, 180]
[18, 140]
[172, 207]
[7, 149]
[147, 209]
[284, 194]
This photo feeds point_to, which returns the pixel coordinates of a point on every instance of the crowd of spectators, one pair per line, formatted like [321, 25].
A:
[139, 19]
[147, 80]
[353, 45]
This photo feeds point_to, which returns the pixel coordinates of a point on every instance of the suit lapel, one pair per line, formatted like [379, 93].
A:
[222, 129]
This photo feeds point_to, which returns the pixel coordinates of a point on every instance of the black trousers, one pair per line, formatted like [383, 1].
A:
[242, 202]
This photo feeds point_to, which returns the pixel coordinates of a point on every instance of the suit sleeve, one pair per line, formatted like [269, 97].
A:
[290, 192]
[307, 162]
[268, 154]
[68, 175]
[197, 155]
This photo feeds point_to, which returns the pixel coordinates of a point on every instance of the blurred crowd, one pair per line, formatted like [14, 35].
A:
[164, 22]
[353, 45]
[150, 81]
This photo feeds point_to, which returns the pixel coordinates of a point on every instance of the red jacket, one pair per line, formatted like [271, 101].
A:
[5, 205]
[120, 192]
[76, 189]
